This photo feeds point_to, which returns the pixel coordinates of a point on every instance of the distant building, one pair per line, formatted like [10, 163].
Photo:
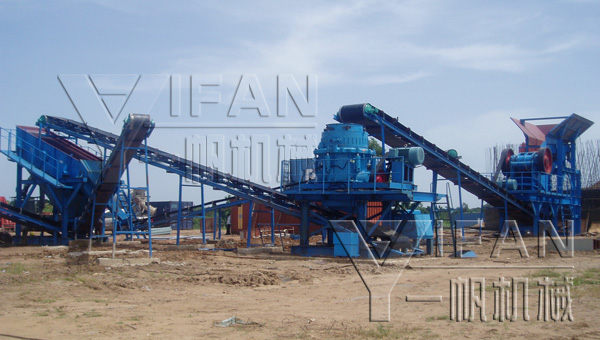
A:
[590, 208]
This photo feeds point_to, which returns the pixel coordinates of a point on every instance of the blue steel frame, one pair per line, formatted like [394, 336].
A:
[378, 123]
[353, 196]
[194, 172]
[61, 193]
[532, 205]
[541, 204]
[135, 228]
[559, 201]
[191, 212]
[201, 214]
[61, 179]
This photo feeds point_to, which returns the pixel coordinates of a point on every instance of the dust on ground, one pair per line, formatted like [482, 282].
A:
[57, 293]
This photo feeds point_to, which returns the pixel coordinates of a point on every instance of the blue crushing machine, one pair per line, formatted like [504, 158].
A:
[544, 173]
[346, 175]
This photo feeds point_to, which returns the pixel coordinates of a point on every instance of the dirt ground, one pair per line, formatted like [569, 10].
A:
[50, 293]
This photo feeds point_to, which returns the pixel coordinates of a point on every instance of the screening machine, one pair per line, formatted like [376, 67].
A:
[78, 182]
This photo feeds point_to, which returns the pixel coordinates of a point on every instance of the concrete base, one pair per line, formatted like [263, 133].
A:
[260, 250]
[109, 262]
[95, 252]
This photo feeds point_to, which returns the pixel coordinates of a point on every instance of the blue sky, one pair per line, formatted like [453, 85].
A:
[453, 71]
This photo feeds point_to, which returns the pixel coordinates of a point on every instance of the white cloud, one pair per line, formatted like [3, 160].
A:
[328, 40]
[372, 40]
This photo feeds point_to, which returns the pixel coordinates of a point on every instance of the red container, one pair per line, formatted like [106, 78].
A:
[374, 211]
[4, 223]
[261, 218]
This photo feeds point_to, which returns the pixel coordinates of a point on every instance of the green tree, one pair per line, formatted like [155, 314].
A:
[223, 214]
[374, 145]
[48, 208]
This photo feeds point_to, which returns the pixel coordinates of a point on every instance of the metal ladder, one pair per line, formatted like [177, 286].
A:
[439, 208]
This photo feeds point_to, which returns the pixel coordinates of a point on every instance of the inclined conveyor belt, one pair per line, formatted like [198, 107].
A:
[389, 130]
[270, 197]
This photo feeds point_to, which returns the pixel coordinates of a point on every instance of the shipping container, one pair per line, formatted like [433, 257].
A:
[261, 218]
[374, 210]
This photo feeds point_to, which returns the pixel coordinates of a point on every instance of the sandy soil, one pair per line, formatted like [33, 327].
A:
[46, 293]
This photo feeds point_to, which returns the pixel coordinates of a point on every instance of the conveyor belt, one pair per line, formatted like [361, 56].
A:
[389, 130]
[24, 217]
[270, 197]
[135, 129]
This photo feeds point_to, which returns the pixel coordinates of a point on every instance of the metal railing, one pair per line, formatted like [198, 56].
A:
[540, 182]
[29, 155]
[306, 178]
